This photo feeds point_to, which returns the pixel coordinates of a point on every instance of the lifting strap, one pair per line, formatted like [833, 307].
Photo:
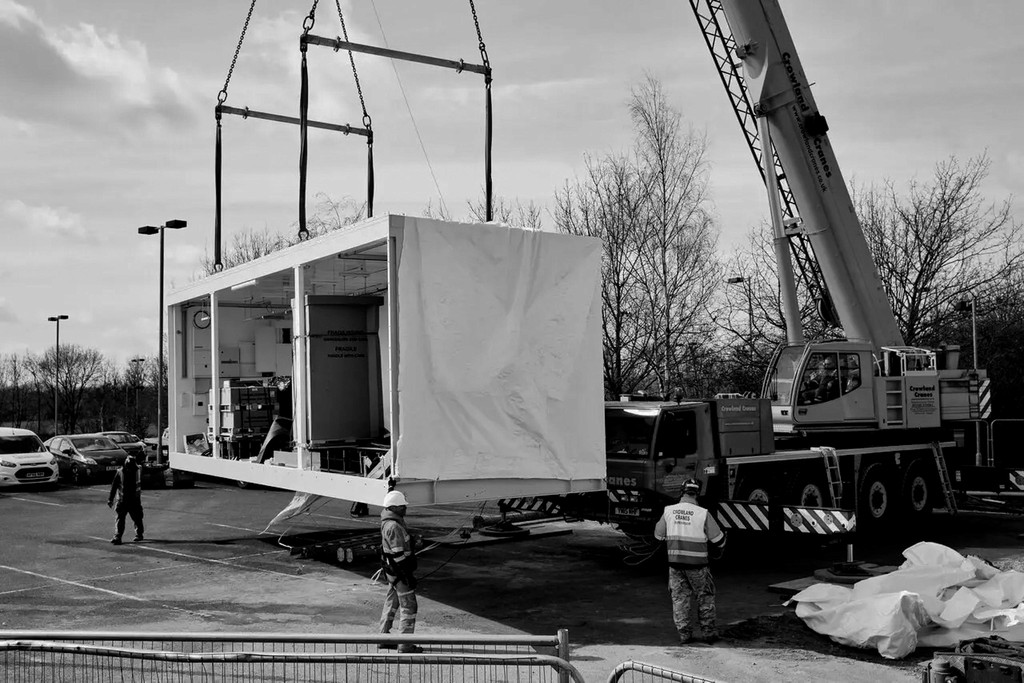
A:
[307, 26]
[222, 96]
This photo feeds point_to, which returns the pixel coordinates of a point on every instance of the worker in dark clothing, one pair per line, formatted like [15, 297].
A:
[126, 492]
[398, 561]
[279, 436]
[691, 533]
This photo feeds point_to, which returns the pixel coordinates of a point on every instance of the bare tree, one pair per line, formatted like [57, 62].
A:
[608, 203]
[79, 369]
[940, 243]
[678, 250]
[650, 208]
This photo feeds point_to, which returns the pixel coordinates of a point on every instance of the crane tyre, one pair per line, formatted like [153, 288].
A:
[919, 490]
[876, 496]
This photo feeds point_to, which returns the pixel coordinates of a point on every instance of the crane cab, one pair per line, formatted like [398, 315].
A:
[823, 383]
[844, 384]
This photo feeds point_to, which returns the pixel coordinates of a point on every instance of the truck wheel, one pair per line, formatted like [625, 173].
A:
[755, 492]
[876, 500]
[919, 489]
[811, 492]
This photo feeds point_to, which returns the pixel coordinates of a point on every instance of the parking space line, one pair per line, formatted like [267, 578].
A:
[239, 528]
[41, 502]
[95, 578]
[124, 596]
[199, 558]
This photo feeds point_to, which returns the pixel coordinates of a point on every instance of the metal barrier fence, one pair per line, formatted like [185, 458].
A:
[118, 656]
[638, 672]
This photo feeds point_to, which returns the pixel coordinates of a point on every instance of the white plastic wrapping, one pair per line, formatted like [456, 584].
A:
[937, 598]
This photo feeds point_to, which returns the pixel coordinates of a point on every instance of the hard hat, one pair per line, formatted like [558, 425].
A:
[393, 498]
[691, 485]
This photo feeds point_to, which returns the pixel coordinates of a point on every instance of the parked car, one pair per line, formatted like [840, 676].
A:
[24, 460]
[86, 457]
[171, 477]
[152, 469]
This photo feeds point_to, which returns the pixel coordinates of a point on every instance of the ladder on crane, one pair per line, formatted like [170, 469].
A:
[944, 482]
[832, 474]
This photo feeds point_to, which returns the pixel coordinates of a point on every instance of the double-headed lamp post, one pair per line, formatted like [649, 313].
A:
[56, 367]
[153, 230]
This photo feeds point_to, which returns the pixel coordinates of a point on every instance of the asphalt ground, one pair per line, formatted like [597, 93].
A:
[210, 564]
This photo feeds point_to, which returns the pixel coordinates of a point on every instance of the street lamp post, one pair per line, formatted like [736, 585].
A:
[56, 367]
[965, 306]
[153, 230]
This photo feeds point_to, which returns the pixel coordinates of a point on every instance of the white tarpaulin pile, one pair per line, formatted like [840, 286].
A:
[937, 598]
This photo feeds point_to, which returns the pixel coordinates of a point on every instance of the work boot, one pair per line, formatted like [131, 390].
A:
[410, 648]
[138, 539]
[116, 540]
[710, 639]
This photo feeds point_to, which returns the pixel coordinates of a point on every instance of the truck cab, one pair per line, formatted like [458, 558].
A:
[652, 447]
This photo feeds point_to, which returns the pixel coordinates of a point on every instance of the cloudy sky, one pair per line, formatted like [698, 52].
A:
[106, 122]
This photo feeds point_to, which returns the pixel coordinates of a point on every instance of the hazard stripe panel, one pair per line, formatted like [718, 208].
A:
[1017, 479]
[820, 521]
[734, 514]
[545, 505]
[985, 399]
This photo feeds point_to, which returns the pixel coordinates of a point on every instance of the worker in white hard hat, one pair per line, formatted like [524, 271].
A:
[691, 535]
[398, 562]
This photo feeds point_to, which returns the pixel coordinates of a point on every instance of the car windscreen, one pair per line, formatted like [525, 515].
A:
[120, 438]
[20, 444]
[93, 443]
[628, 432]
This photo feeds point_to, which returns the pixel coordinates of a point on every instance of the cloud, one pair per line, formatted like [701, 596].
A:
[75, 76]
[56, 222]
[7, 314]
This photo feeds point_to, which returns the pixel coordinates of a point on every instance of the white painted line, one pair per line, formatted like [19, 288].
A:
[41, 502]
[117, 594]
[199, 558]
[239, 528]
[96, 578]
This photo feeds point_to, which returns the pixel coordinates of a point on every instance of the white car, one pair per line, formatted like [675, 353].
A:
[24, 459]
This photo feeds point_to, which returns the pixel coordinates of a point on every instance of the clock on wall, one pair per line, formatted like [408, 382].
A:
[201, 319]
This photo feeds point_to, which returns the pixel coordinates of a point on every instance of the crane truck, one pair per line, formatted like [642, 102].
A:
[853, 431]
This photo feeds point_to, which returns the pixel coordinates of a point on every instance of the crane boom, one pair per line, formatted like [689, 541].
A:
[776, 83]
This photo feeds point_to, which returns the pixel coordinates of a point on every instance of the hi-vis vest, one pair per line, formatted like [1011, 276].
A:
[685, 536]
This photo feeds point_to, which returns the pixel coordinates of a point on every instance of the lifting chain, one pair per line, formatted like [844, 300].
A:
[352, 61]
[307, 23]
[480, 39]
[223, 94]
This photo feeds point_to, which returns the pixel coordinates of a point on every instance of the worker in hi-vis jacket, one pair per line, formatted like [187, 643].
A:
[398, 561]
[691, 534]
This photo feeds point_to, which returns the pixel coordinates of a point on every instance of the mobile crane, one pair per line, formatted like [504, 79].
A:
[862, 424]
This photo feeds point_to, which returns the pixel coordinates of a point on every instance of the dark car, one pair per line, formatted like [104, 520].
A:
[152, 470]
[82, 458]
